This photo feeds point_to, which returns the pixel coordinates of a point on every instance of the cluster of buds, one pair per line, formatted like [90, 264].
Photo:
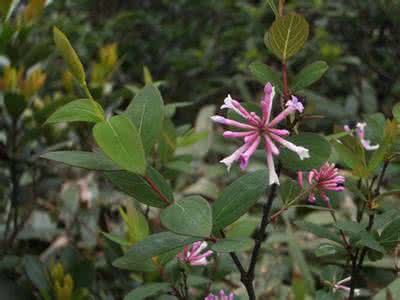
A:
[13, 81]
[327, 178]
[108, 55]
[221, 296]
[63, 283]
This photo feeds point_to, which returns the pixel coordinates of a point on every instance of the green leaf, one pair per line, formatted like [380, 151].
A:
[390, 236]
[396, 112]
[289, 190]
[352, 154]
[136, 224]
[238, 197]
[146, 111]
[319, 150]
[82, 159]
[37, 273]
[264, 74]
[120, 140]
[386, 194]
[369, 241]
[7, 7]
[153, 245]
[325, 250]
[167, 145]
[298, 258]
[116, 239]
[135, 186]
[375, 129]
[148, 290]
[287, 35]
[233, 244]
[15, 104]
[272, 4]
[392, 289]
[369, 101]
[309, 75]
[81, 110]
[319, 231]
[350, 226]
[189, 216]
[69, 55]
[381, 220]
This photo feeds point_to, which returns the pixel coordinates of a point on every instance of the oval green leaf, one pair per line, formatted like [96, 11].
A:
[189, 216]
[136, 187]
[146, 111]
[148, 290]
[81, 110]
[233, 245]
[287, 35]
[120, 140]
[69, 55]
[319, 150]
[153, 245]
[238, 197]
[308, 75]
[263, 74]
[82, 159]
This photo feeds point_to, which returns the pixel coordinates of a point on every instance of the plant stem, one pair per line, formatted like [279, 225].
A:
[156, 190]
[345, 242]
[285, 81]
[356, 267]
[281, 7]
[185, 285]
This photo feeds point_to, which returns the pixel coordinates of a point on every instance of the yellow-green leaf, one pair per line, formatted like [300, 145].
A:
[287, 35]
[69, 55]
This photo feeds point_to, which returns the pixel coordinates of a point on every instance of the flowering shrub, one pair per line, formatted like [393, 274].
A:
[208, 240]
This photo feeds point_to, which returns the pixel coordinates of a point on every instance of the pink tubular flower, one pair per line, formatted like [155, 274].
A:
[192, 256]
[326, 179]
[259, 128]
[360, 132]
[221, 296]
[340, 285]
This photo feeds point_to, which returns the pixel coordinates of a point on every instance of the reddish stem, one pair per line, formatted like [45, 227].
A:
[284, 79]
[156, 190]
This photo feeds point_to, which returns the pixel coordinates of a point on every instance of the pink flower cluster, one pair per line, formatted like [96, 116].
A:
[193, 255]
[257, 128]
[360, 132]
[221, 296]
[327, 178]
